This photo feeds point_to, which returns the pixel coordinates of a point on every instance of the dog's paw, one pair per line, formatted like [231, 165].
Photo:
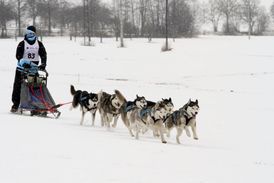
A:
[196, 138]
[164, 142]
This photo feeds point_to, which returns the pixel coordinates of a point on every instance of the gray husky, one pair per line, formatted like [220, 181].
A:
[182, 119]
[128, 107]
[149, 118]
[109, 107]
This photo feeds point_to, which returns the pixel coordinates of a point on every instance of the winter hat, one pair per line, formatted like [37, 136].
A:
[30, 33]
[32, 28]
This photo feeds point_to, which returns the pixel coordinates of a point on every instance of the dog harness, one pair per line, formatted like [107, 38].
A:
[84, 101]
[186, 117]
[146, 111]
[176, 116]
[129, 106]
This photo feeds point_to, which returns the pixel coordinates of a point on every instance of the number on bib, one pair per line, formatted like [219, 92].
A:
[31, 55]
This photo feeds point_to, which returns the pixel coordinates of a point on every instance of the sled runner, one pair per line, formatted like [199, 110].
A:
[35, 96]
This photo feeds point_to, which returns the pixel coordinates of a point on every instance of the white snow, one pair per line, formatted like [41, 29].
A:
[232, 77]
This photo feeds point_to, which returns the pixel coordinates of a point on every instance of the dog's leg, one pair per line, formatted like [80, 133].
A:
[193, 128]
[137, 133]
[102, 119]
[93, 117]
[156, 132]
[187, 131]
[130, 126]
[130, 131]
[115, 121]
[168, 132]
[82, 118]
[108, 120]
[160, 129]
[179, 133]
[71, 107]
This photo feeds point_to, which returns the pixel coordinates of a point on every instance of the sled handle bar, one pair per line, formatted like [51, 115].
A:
[45, 71]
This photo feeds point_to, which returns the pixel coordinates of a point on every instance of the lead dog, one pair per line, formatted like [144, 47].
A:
[109, 107]
[182, 119]
[87, 101]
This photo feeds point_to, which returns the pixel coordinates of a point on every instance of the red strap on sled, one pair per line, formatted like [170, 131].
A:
[42, 98]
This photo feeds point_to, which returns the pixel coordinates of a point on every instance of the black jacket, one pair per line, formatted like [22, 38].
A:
[42, 51]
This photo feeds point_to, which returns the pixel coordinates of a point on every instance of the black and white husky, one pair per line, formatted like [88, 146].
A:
[128, 107]
[182, 119]
[109, 107]
[88, 102]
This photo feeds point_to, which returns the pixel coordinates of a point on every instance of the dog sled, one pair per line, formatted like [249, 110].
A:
[35, 96]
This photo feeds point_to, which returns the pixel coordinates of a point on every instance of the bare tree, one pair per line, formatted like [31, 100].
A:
[47, 10]
[249, 13]
[31, 6]
[272, 10]
[228, 8]
[6, 14]
[263, 21]
[121, 18]
[213, 14]
[61, 18]
[19, 10]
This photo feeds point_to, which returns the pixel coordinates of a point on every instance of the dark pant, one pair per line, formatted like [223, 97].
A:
[17, 89]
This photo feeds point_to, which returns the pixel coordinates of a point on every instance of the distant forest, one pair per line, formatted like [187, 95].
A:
[134, 18]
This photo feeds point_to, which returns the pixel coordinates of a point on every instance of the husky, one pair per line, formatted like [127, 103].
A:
[150, 117]
[88, 102]
[169, 110]
[109, 107]
[128, 107]
[182, 119]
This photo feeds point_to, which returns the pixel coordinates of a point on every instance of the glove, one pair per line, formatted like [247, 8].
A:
[42, 67]
[26, 65]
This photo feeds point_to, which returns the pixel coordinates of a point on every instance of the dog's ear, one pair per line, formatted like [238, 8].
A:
[189, 101]
[169, 99]
[137, 96]
[196, 102]
[157, 105]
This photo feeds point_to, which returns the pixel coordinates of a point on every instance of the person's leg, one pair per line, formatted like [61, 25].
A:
[16, 90]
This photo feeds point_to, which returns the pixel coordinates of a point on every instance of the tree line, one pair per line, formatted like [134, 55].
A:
[133, 18]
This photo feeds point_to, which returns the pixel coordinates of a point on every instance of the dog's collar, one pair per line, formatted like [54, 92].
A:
[155, 120]
[188, 118]
[89, 109]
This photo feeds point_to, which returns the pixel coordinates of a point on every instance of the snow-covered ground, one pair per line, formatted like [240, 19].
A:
[232, 77]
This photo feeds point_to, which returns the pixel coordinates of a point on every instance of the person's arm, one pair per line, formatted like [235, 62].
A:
[42, 53]
[20, 50]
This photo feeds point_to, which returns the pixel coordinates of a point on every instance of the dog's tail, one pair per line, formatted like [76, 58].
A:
[72, 90]
[120, 95]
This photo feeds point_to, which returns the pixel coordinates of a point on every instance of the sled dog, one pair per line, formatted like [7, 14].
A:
[182, 119]
[128, 107]
[88, 102]
[169, 109]
[109, 107]
[149, 118]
